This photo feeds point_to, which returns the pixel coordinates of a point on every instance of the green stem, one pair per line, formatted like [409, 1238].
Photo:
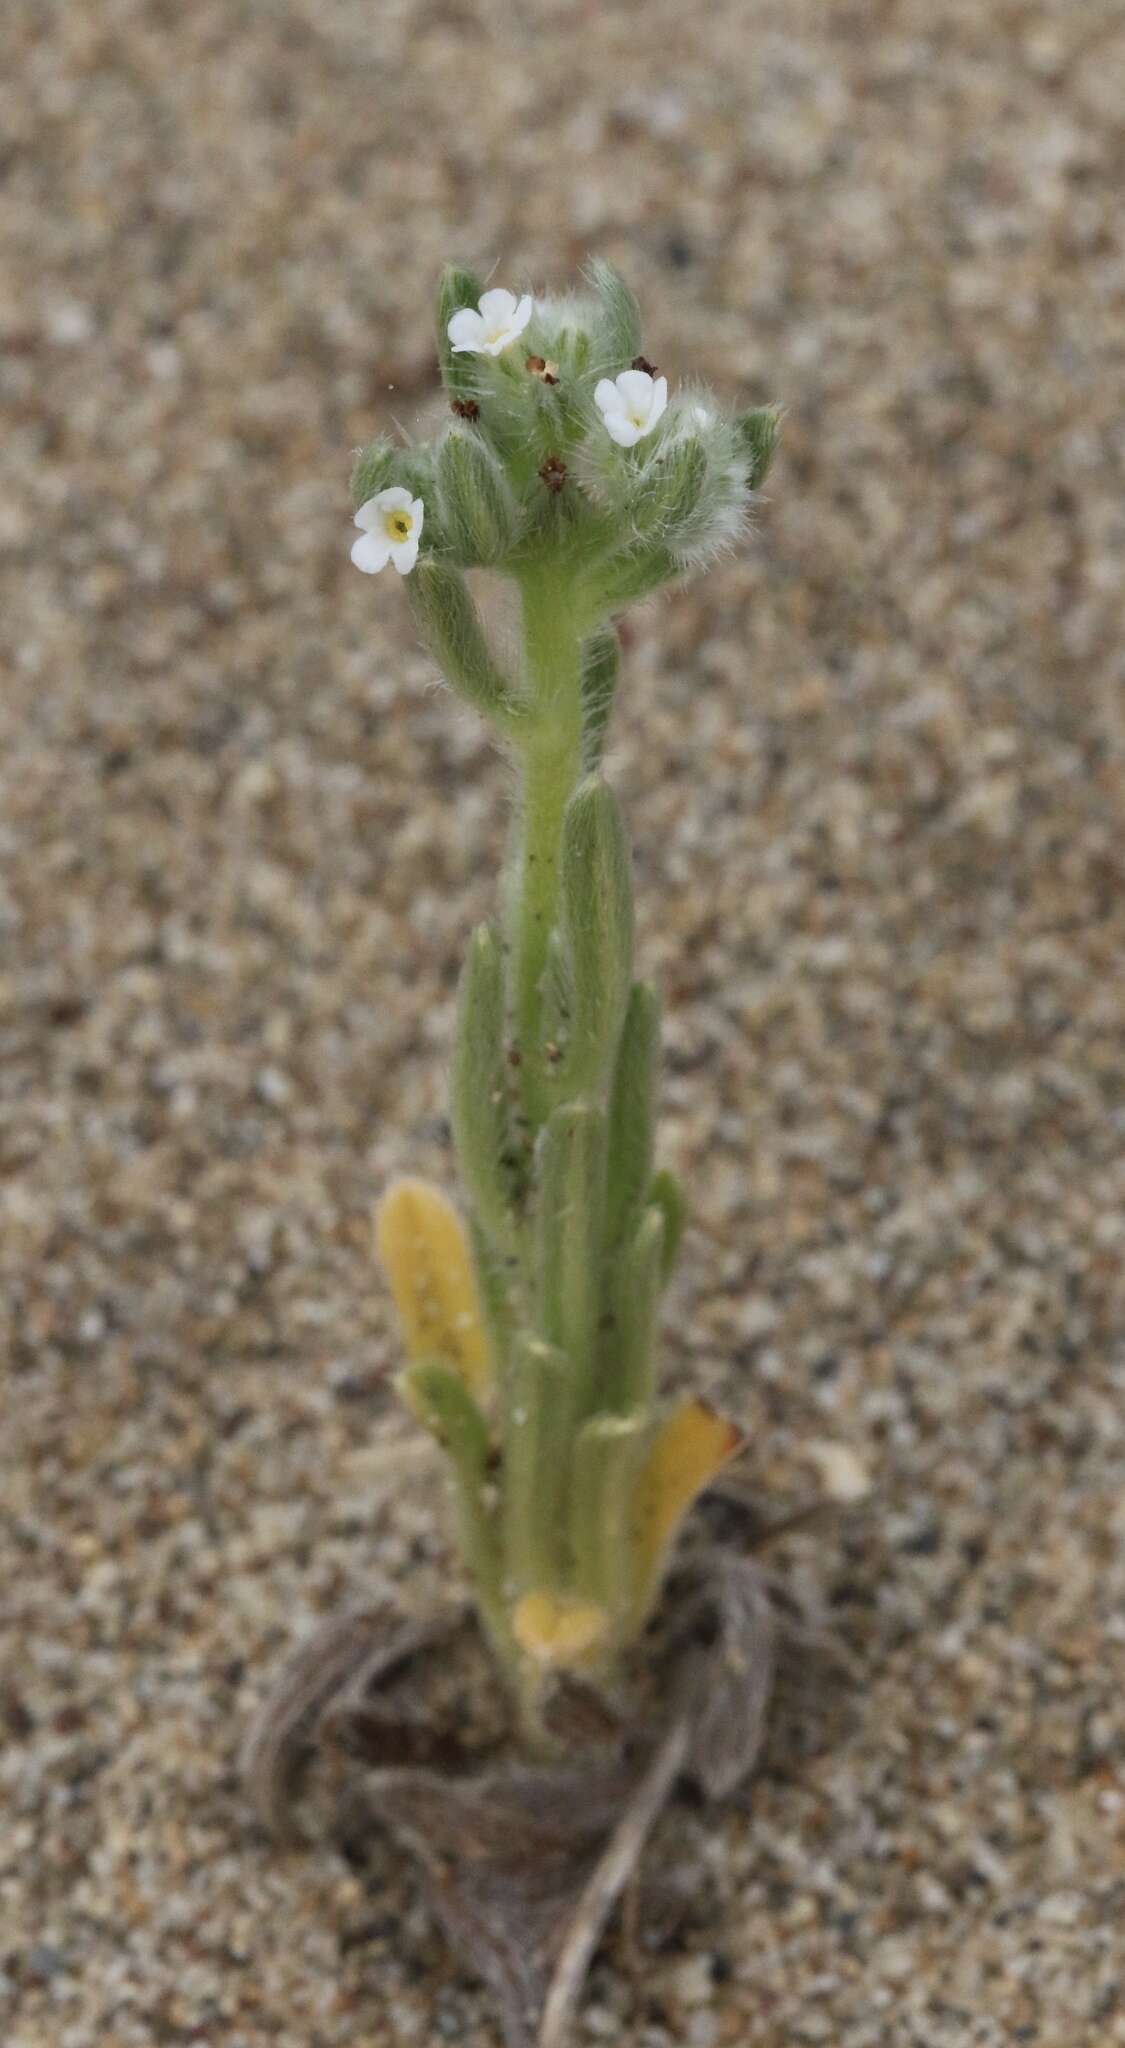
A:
[551, 758]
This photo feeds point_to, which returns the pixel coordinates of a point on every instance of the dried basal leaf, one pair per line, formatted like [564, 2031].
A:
[282, 1737]
[723, 1654]
[506, 1858]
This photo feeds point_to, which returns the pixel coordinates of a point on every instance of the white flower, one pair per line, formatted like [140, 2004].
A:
[499, 319]
[391, 523]
[631, 404]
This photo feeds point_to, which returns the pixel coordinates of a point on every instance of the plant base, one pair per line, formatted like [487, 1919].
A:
[525, 1864]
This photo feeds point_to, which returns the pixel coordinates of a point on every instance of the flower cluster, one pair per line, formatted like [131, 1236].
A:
[563, 437]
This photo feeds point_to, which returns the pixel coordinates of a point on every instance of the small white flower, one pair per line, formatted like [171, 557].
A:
[630, 405]
[497, 322]
[391, 524]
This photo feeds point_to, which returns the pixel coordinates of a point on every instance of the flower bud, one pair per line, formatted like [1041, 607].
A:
[758, 434]
[478, 511]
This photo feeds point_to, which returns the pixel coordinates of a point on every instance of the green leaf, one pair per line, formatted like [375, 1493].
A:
[447, 619]
[759, 432]
[596, 921]
[478, 510]
[668, 1196]
[438, 1396]
[631, 575]
[638, 1274]
[632, 1111]
[479, 1095]
[608, 1453]
[458, 288]
[601, 663]
[539, 1416]
[558, 1002]
[372, 470]
[618, 337]
[570, 1207]
[495, 1273]
[668, 491]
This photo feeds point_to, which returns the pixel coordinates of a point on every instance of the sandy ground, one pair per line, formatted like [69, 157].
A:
[874, 770]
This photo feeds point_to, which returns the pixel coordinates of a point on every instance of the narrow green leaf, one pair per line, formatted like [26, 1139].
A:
[558, 1001]
[596, 921]
[495, 1273]
[458, 288]
[668, 1196]
[632, 1111]
[629, 1348]
[479, 1098]
[759, 432]
[478, 510]
[438, 1396]
[668, 491]
[447, 619]
[601, 662]
[618, 337]
[632, 575]
[570, 1207]
[539, 1415]
[607, 1458]
[372, 470]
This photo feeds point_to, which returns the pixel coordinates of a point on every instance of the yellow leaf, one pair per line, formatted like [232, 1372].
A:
[419, 1238]
[690, 1447]
[557, 1631]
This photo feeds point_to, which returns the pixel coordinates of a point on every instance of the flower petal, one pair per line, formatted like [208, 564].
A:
[636, 389]
[659, 400]
[623, 430]
[404, 554]
[607, 397]
[465, 329]
[417, 513]
[497, 307]
[371, 552]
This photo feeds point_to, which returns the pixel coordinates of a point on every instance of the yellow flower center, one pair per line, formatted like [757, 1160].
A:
[399, 525]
